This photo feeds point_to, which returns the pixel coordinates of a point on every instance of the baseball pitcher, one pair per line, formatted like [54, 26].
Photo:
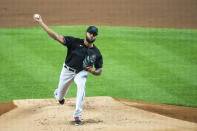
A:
[82, 56]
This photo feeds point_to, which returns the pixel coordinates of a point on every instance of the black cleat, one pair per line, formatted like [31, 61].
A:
[61, 102]
[77, 121]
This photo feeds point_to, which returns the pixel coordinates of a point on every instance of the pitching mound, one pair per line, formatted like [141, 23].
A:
[100, 113]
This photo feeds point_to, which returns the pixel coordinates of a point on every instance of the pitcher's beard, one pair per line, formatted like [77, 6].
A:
[89, 41]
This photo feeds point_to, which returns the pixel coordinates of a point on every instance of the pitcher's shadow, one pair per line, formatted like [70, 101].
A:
[88, 121]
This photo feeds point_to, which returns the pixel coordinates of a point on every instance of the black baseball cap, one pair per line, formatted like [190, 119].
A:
[93, 30]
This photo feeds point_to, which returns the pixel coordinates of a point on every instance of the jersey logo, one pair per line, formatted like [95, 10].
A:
[89, 61]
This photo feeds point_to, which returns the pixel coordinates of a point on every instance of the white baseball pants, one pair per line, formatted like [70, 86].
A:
[66, 79]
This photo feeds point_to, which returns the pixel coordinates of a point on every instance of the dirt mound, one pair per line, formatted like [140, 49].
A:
[100, 113]
[135, 13]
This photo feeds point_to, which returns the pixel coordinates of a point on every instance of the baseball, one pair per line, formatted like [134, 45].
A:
[37, 16]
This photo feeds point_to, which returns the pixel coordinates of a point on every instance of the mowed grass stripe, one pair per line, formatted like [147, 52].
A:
[164, 78]
[181, 42]
[24, 80]
[168, 61]
[163, 58]
[16, 84]
[26, 69]
[134, 85]
[141, 78]
[152, 45]
[180, 64]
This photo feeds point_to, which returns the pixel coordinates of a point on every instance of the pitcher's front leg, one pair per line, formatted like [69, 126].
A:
[80, 80]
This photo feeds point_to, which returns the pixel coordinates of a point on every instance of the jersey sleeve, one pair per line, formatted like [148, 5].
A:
[99, 62]
[68, 40]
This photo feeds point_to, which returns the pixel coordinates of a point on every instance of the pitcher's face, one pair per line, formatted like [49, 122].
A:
[90, 37]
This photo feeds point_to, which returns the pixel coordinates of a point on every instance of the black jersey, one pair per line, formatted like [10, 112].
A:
[78, 51]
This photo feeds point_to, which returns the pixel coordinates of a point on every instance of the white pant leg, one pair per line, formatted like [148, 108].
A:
[80, 80]
[66, 79]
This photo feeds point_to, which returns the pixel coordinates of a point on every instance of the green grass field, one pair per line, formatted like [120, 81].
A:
[154, 65]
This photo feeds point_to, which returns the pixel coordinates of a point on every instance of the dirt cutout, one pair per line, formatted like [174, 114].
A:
[5, 107]
[100, 113]
[178, 112]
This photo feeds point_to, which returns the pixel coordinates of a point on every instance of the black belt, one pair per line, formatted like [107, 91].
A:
[71, 69]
